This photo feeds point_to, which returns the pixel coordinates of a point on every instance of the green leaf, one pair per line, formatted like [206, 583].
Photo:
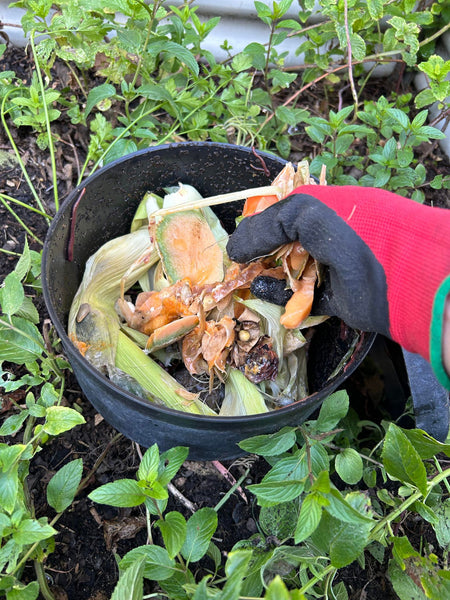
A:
[157, 566]
[148, 469]
[22, 345]
[425, 445]
[343, 143]
[23, 592]
[309, 518]
[403, 585]
[241, 62]
[9, 483]
[272, 444]
[375, 8]
[155, 91]
[358, 46]
[343, 542]
[28, 311]
[398, 116]
[177, 51]
[342, 509]
[277, 590]
[402, 461]
[425, 512]
[31, 531]
[435, 67]
[13, 423]
[170, 462]
[333, 409]
[235, 570]
[173, 529]
[419, 120]
[97, 94]
[123, 492]
[24, 263]
[291, 116]
[131, 583]
[442, 527]
[200, 529]
[63, 485]
[433, 133]
[273, 492]
[424, 98]
[279, 520]
[12, 294]
[61, 418]
[349, 466]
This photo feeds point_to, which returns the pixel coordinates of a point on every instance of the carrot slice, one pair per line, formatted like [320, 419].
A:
[256, 204]
[299, 305]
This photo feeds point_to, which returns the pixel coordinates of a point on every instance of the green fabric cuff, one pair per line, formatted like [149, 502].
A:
[437, 321]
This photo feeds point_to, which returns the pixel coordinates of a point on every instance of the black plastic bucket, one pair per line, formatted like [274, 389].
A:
[105, 211]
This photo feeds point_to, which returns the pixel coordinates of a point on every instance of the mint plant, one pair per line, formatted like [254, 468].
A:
[319, 521]
[24, 537]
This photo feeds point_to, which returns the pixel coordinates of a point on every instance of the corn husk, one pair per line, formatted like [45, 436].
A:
[242, 397]
[94, 325]
[161, 387]
[93, 321]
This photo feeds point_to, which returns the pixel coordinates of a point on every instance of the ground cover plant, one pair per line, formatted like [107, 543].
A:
[344, 493]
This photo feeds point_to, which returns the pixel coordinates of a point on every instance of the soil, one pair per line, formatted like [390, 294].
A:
[83, 565]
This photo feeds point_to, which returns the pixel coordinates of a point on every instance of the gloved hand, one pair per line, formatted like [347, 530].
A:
[388, 258]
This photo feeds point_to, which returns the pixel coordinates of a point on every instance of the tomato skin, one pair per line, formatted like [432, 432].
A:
[256, 204]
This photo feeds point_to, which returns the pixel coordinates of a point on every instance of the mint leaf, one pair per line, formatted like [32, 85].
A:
[121, 493]
[199, 531]
[173, 529]
[61, 418]
[402, 461]
[63, 485]
[271, 444]
[157, 566]
[333, 409]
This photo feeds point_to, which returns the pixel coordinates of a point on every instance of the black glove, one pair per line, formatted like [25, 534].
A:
[355, 289]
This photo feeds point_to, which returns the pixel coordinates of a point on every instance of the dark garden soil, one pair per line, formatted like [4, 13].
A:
[83, 564]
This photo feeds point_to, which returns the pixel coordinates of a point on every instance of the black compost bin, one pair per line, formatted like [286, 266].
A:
[104, 211]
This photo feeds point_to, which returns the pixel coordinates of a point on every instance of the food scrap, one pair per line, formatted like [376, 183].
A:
[240, 326]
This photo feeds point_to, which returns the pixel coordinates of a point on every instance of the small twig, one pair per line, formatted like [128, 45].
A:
[179, 496]
[327, 74]
[349, 57]
[172, 489]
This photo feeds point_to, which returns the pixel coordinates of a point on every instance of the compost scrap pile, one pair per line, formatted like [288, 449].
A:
[197, 332]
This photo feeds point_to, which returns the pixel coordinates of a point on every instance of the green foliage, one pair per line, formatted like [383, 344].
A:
[319, 528]
[22, 535]
[155, 82]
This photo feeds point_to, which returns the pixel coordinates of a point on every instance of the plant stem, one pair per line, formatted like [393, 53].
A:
[19, 158]
[317, 578]
[435, 35]
[42, 580]
[47, 123]
[404, 505]
[24, 205]
[19, 220]
[231, 491]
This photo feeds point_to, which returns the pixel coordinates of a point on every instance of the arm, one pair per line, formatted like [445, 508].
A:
[388, 259]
